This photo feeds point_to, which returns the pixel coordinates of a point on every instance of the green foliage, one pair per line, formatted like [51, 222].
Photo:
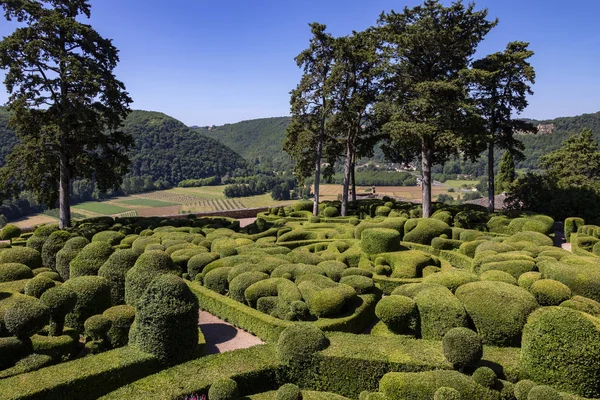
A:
[52, 245]
[583, 304]
[573, 340]
[224, 389]
[528, 278]
[89, 260]
[549, 292]
[398, 313]
[543, 392]
[298, 342]
[498, 276]
[97, 326]
[166, 323]
[485, 377]
[239, 284]
[21, 255]
[65, 255]
[148, 266]
[14, 272]
[121, 318]
[506, 173]
[380, 240]
[462, 347]
[111, 237]
[114, 271]
[497, 328]
[446, 393]
[26, 317]
[289, 391]
[37, 286]
[9, 232]
[522, 389]
[572, 225]
[60, 300]
[424, 230]
[93, 297]
[451, 279]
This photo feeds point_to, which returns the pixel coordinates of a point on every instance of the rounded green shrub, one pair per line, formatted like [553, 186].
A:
[93, 297]
[514, 267]
[534, 237]
[121, 318]
[549, 292]
[382, 211]
[9, 232]
[446, 393]
[561, 347]
[398, 313]
[543, 392]
[425, 230]
[21, 255]
[356, 271]
[111, 237]
[289, 391]
[97, 326]
[570, 271]
[114, 271]
[216, 280]
[380, 240]
[299, 341]
[26, 317]
[331, 212]
[324, 303]
[196, 264]
[148, 266]
[67, 254]
[528, 278]
[498, 276]
[166, 321]
[571, 225]
[522, 389]
[451, 279]
[485, 377]
[583, 304]
[52, 245]
[38, 285]
[60, 300]
[89, 260]
[14, 271]
[361, 284]
[239, 284]
[224, 389]
[462, 347]
[481, 300]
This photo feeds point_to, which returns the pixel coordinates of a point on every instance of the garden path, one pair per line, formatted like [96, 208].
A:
[221, 336]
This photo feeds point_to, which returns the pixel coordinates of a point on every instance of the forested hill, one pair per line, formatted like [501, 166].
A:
[165, 149]
[257, 139]
[542, 143]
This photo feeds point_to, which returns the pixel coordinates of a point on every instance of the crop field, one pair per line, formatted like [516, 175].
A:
[331, 192]
[100, 207]
[461, 183]
[147, 203]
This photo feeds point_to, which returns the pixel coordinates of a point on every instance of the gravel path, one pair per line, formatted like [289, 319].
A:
[221, 336]
[246, 221]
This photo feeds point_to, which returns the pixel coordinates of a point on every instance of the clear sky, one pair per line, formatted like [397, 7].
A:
[214, 62]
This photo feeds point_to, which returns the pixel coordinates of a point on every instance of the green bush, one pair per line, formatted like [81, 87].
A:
[398, 313]
[561, 347]
[333, 269]
[289, 391]
[446, 393]
[481, 300]
[60, 300]
[380, 240]
[382, 211]
[583, 304]
[514, 267]
[485, 377]
[543, 392]
[572, 225]
[330, 212]
[423, 385]
[26, 317]
[12, 349]
[148, 266]
[121, 318]
[166, 321]
[9, 232]
[299, 342]
[425, 230]
[498, 276]
[361, 284]
[528, 278]
[323, 303]
[21, 255]
[52, 245]
[522, 389]
[89, 260]
[14, 271]
[462, 347]
[239, 284]
[93, 297]
[114, 271]
[439, 243]
[197, 263]
[216, 280]
[451, 279]
[353, 271]
[67, 254]
[533, 237]
[224, 389]
[571, 275]
[97, 327]
[111, 237]
[549, 292]
[38, 285]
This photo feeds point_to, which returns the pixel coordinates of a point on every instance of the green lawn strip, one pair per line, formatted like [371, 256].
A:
[102, 208]
[148, 202]
[255, 370]
[306, 395]
[459, 183]
[269, 328]
[84, 378]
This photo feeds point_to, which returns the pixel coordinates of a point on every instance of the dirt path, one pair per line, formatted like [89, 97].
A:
[246, 221]
[221, 336]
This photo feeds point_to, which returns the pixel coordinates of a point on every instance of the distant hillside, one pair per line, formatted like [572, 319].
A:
[165, 149]
[256, 140]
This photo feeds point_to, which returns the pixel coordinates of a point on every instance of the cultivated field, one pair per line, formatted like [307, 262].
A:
[412, 193]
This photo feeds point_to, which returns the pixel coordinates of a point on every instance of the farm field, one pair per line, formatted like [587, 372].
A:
[413, 193]
[459, 183]
[100, 207]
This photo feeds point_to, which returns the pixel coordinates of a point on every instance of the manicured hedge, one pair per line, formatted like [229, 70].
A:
[114, 270]
[52, 245]
[65, 255]
[14, 271]
[93, 297]
[89, 260]
[22, 255]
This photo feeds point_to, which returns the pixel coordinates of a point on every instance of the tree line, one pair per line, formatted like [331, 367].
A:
[409, 81]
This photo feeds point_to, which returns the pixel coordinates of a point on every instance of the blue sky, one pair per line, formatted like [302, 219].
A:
[215, 62]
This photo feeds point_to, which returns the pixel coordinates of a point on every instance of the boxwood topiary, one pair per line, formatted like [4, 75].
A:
[522, 389]
[14, 271]
[21, 255]
[323, 303]
[299, 342]
[51, 246]
[239, 284]
[111, 237]
[528, 278]
[485, 376]
[97, 326]
[361, 284]
[451, 279]
[481, 300]
[166, 322]
[216, 280]
[583, 304]
[12, 349]
[498, 276]
[549, 292]
[224, 389]
[60, 300]
[572, 339]
[398, 313]
[89, 260]
[572, 224]
[67, 254]
[543, 392]
[514, 267]
[9, 232]
[121, 318]
[446, 393]
[115, 269]
[38, 285]
[93, 297]
[289, 391]
[462, 347]
[25, 317]
[148, 266]
[423, 230]
[380, 240]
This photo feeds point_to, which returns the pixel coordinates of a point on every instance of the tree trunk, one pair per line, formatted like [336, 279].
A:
[426, 156]
[352, 176]
[64, 198]
[491, 177]
[317, 173]
[347, 168]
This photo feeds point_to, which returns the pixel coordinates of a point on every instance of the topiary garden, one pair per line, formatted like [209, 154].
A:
[383, 304]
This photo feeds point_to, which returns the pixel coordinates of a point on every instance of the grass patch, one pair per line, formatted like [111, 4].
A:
[54, 213]
[459, 183]
[102, 208]
[148, 202]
